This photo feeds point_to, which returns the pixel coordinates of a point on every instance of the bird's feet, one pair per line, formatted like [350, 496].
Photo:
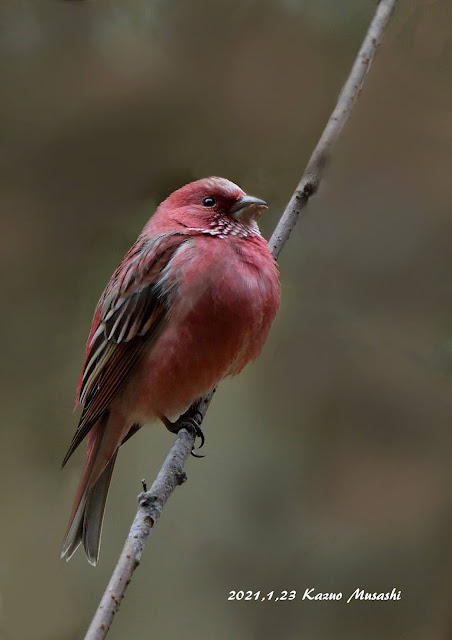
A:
[190, 423]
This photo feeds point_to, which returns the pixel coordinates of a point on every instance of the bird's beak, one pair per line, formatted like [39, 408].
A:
[248, 208]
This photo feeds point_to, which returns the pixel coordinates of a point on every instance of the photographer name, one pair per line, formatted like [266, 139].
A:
[358, 594]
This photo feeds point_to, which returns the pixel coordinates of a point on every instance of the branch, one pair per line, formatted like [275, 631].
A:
[151, 503]
[350, 93]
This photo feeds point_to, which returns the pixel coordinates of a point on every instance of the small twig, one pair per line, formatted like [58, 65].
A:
[151, 503]
[350, 93]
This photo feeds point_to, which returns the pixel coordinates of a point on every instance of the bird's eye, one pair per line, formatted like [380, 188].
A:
[209, 202]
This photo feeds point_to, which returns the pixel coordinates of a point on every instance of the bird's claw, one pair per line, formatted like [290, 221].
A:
[190, 423]
[193, 424]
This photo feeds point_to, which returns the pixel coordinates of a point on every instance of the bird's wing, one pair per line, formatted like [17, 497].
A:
[128, 317]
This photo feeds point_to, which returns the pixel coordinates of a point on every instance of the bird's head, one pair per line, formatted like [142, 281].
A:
[206, 202]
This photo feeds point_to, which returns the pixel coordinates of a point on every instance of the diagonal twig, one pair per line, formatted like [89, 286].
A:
[350, 93]
[151, 503]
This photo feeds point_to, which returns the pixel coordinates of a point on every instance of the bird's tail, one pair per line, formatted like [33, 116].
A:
[85, 525]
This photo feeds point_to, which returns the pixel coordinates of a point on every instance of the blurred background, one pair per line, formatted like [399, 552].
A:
[329, 460]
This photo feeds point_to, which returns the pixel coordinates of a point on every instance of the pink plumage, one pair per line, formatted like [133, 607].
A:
[191, 303]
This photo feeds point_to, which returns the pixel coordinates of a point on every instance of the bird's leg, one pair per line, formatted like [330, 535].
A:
[185, 421]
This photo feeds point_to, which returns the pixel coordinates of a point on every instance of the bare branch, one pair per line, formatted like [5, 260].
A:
[151, 503]
[351, 90]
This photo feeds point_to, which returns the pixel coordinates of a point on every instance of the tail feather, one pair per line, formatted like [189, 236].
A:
[91, 498]
[93, 514]
[73, 535]
[86, 523]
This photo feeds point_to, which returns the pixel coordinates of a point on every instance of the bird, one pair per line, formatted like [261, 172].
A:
[191, 303]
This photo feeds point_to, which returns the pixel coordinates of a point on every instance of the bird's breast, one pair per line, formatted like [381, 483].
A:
[231, 283]
[223, 297]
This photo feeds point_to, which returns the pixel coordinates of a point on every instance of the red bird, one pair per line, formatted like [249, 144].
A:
[191, 303]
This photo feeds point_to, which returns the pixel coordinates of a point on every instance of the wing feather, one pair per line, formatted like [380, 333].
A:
[127, 320]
